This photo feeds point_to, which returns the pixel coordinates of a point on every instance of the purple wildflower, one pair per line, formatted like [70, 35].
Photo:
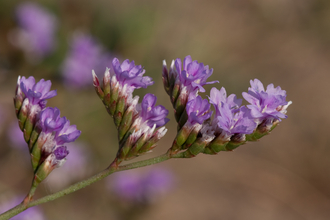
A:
[37, 30]
[85, 54]
[219, 96]
[193, 74]
[50, 120]
[37, 93]
[198, 110]
[235, 123]
[68, 133]
[151, 113]
[55, 131]
[269, 104]
[131, 75]
[61, 152]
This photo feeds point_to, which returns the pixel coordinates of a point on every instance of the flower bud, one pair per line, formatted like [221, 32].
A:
[114, 92]
[97, 86]
[165, 78]
[180, 103]
[121, 105]
[127, 119]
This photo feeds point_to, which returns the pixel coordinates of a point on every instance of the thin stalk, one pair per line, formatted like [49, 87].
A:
[111, 169]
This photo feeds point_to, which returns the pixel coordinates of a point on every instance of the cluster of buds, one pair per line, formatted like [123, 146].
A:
[139, 126]
[232, 124]
[44, 130]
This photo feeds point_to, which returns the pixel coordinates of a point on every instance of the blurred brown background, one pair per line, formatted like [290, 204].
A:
[285, 175]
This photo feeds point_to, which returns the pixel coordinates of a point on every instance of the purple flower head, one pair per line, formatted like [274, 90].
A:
[219, 96]
[61, 152]
[142, 187]
[37, 93]
[68, 133]
[235, 123]
[198, 110]
[38, 26]
[266, 104]
[130, 74]
[85, 54]
[194, 74]
[50, 120]
[151, 113]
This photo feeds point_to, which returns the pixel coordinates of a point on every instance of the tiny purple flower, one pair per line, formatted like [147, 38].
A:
[68, 133]
[37, 93]
[37, 29]
[131, 75]
[151, 113]
[61, 152]
[235, 123]
[219, 96]
[50, 120]
[266, 104]
[198, 110]
[85, 54]
[193, 74]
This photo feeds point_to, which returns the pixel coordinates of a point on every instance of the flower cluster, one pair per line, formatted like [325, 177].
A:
[36, 33]
[45, 132]
[232, 124]
[140, 126]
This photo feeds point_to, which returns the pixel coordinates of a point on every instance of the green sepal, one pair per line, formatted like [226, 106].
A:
[119, 111]
[180, 106]
[125, 124]
[106, 100]
[182, 136]
[18, 103]
[34, 136]
[113, 100]
[182, 121]
[36, 155]
[23, 113]
[191, 138]
[209, 151]
[197, 147]
[175, 91]
[233, 145]
[259, 133]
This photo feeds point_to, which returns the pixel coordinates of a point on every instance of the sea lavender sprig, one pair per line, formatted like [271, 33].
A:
[29, 100]
[183, 83]
[267, 107]
[44, 130]
[139, 126]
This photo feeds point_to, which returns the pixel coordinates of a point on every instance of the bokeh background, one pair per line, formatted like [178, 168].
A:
[285, 175]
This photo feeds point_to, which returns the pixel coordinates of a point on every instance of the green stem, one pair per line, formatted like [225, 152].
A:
[111, 169]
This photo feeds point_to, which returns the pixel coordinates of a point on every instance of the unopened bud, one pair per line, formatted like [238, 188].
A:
[97, 86]
[23, 113]
[181, 102]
